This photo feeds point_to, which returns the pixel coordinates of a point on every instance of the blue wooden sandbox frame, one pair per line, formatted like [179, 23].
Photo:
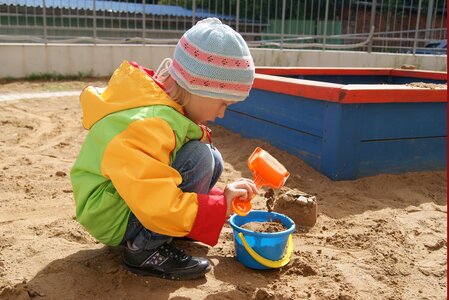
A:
[346, 130]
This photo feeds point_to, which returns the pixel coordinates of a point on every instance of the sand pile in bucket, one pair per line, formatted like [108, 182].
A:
[268, 227]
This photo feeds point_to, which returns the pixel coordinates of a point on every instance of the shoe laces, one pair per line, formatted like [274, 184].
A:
[173, 252]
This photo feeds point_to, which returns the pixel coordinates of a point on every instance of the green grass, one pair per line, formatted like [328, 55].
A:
[51, 82]
[57, 77]
[7, 79]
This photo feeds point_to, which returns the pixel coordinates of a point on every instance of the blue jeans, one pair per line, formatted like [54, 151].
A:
[200, 166]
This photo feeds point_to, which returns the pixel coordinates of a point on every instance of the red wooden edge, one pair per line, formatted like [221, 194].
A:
[419, 74]
[322, 71]
[435, 75]
[352, 93]
[298, 87]
[390, 94]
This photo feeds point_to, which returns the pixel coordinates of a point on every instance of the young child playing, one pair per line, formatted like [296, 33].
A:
[144, 174]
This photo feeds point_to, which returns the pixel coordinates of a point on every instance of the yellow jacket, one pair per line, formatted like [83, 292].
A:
[135, 131]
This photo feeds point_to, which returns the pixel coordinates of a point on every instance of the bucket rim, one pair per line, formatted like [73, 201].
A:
[264, 234]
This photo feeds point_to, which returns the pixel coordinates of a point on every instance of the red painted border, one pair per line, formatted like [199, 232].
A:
[352, 93]
[298, 87]
[419, 74]
[390, 94]
[353, 71]
[322, 71]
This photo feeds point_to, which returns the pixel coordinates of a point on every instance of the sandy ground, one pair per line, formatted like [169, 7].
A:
[382, 237]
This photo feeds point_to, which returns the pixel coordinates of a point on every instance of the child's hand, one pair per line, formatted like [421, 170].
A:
[242, 188]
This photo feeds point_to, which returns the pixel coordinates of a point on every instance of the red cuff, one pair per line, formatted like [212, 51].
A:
[210, 218]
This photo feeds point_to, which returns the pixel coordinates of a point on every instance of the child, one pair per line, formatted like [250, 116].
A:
[143, 174]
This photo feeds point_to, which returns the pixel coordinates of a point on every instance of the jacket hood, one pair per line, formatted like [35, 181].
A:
[130, 86]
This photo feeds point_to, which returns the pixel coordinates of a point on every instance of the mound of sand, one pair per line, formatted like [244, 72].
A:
[381, 237]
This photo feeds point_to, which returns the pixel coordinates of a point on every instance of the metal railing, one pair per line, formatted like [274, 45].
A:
[376, 25]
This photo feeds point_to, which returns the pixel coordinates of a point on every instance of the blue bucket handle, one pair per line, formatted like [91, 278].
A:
[267, 262]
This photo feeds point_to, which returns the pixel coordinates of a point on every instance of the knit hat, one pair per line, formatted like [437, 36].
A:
[213, 60]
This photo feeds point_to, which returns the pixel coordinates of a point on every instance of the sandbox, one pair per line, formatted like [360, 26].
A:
[348, 123]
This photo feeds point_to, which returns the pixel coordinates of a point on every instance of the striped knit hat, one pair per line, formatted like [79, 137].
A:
[213, 60]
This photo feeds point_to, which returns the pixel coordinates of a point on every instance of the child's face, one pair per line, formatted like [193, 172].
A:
[201, 109]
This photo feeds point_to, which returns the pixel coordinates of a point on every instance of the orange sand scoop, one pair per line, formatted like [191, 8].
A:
[267, 171]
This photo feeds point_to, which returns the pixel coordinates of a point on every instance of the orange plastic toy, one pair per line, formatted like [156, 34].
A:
[267, 171]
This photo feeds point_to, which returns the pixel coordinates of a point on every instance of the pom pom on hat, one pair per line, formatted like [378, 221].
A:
[213, 60]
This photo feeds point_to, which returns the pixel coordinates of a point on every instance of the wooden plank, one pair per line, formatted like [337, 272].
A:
[297, 87]
[419, 74]
[341, 141]
[364, 93]
[305, 146]
[397, 156]
[348, 79]
[352, 93]
[389, 72]
[402, 120]
[297, 113]
[281, 71]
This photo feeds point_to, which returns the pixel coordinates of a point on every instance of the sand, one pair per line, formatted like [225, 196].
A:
[381, 237]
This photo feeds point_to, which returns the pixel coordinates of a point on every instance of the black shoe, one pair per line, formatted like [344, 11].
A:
[166, 261]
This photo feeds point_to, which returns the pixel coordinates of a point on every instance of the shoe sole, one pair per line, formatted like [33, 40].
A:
[164, 275]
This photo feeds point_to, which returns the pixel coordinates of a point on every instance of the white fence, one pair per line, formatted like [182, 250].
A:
[395, 26]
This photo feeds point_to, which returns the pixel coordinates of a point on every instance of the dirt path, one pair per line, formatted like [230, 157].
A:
[381, 237]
